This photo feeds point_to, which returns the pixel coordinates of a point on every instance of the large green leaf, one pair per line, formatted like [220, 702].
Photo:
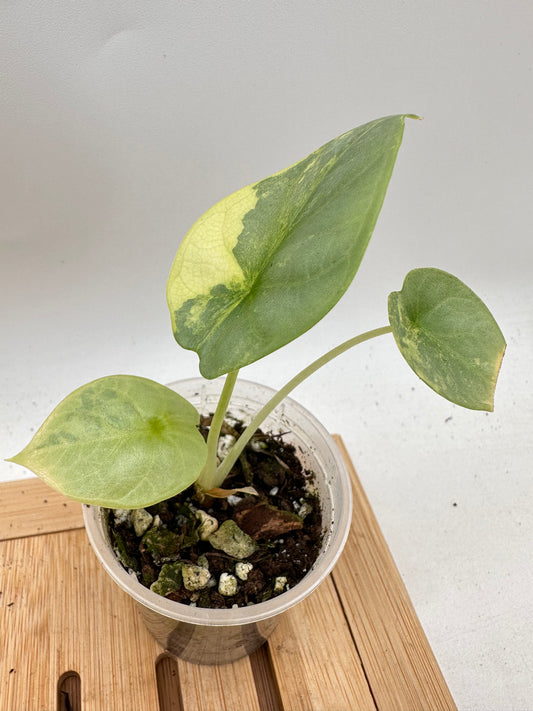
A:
[120, 441]
[266, 263]
[448, 337]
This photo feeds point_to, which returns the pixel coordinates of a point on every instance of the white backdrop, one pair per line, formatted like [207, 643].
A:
[122, 122]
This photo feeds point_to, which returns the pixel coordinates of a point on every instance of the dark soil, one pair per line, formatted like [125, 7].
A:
[284, 522]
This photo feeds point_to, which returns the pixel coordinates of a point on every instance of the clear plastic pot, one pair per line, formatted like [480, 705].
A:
[215, 636]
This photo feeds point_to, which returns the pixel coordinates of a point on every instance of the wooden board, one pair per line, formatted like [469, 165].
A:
[70, 639]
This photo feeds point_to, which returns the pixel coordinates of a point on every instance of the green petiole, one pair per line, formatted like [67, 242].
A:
[225, 466]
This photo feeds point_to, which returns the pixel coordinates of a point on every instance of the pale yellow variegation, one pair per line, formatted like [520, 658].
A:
[205, 258]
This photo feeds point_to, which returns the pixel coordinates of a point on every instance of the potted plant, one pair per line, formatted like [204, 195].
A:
[256, 271]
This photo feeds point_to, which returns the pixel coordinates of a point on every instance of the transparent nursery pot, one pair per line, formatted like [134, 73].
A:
[217, 636]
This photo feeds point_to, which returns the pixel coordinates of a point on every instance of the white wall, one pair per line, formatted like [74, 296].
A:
[122, 122]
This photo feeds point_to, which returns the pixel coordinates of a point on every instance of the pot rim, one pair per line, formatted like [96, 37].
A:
[336, 536]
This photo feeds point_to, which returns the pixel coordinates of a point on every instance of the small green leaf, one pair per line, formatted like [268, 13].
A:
[120, 442]
[266, 263]
[448, 337]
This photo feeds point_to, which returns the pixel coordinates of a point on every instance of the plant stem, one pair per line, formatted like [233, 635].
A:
[209, 478]
[225, 467]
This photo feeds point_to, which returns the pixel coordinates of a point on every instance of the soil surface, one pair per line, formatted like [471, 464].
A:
[274, 537]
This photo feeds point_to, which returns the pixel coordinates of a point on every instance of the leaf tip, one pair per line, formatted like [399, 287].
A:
[16, 459]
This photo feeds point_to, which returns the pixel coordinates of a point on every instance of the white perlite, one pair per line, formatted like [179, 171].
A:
[208, 524]
[305, 509]
[279, 584]
[227, 585]
[203, 562]
[142, 521]
[242, 570]
[257, 445]
[194, 577]
[225, 443]
[122, 515]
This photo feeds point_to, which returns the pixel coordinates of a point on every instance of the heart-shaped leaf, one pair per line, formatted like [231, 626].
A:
[448, 336]
[120, 441]
[266, 263]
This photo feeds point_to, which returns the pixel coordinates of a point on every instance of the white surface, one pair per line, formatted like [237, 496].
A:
[122, 122]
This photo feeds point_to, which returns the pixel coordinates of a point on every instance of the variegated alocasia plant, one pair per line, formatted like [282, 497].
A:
[255, 272]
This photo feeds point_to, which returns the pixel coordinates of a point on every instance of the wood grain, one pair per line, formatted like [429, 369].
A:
[354, 644]
[30, 507]
[316, 663]
[61, 613]
[399, 663]
[229, 687]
